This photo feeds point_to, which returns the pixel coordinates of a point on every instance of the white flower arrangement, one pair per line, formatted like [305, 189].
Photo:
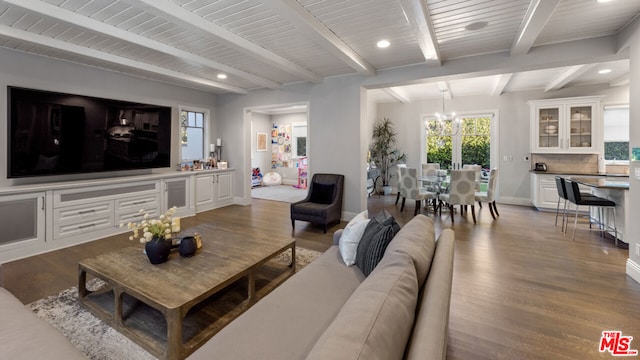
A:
[164, 227]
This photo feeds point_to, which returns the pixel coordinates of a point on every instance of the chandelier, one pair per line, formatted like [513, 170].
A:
[444, 123]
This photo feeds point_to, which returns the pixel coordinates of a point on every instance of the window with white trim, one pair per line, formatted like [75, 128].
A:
[192, 134]
[616, 133]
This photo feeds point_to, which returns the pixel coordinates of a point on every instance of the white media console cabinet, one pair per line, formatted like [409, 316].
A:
[43, 217]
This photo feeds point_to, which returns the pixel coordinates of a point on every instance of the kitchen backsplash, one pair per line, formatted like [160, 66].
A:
[567, 163]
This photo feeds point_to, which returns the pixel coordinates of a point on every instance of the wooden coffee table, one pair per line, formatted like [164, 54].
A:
[173, 308]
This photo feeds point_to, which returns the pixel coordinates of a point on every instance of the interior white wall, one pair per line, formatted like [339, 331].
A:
[261, 124]
[36, 72]
[633, 264]
[513, 140]
[334, 117]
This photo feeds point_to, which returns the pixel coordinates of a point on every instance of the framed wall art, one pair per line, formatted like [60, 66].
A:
[261, 141]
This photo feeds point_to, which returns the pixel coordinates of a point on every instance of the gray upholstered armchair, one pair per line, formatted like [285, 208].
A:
[323, 204]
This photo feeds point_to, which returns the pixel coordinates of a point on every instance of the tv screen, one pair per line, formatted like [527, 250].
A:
[53, 134]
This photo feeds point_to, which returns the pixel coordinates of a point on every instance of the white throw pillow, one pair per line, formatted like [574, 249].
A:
[351, 235]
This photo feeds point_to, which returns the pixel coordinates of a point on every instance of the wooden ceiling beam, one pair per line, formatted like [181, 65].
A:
[72, 18]
[97, 55]
[567, 76]
[398, 94]
[501, 84]
[178, 15]
[417, 14]
[537, 15]
[313, 29]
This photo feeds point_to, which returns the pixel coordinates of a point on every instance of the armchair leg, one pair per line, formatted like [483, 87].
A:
[473, 213]
[293, 224]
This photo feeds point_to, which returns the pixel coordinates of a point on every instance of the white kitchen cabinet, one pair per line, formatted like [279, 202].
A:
[22, 226]
[177, 192]
[544, 192]
[567, 125]
[214, 190]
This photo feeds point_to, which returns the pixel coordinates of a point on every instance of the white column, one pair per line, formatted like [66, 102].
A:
[633, 263]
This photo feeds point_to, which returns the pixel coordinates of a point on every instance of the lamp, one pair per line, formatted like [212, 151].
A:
[219, 149]
[438, 126]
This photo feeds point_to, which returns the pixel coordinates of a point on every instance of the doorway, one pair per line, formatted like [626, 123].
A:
[279, 145]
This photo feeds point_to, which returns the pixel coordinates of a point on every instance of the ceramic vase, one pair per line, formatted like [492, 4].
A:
[187, 246]
[158, 250]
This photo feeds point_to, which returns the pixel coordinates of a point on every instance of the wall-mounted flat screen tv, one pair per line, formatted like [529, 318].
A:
[54, 134]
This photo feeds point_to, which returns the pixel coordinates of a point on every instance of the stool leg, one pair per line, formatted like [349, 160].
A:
[564, 217]
[615, 227]
[557, 211]
[575, 224]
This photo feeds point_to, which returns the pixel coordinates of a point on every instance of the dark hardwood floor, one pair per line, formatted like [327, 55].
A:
[521, 288]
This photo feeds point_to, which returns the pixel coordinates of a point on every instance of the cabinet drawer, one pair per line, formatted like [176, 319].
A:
[137, 203]
[61, 230]
[125, 217]
[70, 215]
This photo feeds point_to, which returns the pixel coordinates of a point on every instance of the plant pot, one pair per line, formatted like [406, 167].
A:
[158, 250]
[386, 190]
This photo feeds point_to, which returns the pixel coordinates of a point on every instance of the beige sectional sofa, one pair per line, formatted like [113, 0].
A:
[331, 311]
[25, 336]
[326, 311]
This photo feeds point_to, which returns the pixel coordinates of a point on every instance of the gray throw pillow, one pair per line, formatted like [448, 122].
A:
[377, 235]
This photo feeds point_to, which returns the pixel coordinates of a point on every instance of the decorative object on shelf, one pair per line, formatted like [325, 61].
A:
[551, 129]
[383, 151]
[187, 246]
[444, 123]
[222, 164]
[218, 149]
[156, 234]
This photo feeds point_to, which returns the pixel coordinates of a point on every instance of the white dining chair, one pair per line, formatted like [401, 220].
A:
[489, 196]
[461, 192]
[411, 190]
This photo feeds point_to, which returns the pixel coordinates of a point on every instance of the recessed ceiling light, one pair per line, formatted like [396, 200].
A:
[383, 44]
[604, 71]
[222, 76]
[477, 25]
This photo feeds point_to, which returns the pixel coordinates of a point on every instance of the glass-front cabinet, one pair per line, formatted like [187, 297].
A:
[564, 125]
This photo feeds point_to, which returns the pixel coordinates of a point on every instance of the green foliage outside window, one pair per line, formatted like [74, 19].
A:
[476, 144]
[616, 150]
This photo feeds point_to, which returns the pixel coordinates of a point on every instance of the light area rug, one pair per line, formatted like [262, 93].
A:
[96, 339]
[282, 193]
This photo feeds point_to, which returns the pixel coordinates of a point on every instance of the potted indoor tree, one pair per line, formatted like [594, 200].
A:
[384, 154]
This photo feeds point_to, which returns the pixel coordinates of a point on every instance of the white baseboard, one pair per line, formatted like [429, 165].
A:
[289, 182]
[510, 200]
[633, 270]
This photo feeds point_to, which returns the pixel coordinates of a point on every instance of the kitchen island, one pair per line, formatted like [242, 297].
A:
[615, 189]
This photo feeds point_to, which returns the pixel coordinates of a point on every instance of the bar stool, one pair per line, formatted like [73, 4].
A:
[574, 195]
[562, 194]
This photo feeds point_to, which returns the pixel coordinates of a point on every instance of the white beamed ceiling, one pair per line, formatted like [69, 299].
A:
[266, 44]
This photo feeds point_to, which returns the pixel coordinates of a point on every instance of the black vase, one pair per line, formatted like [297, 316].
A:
[158, 250]
[187, 246]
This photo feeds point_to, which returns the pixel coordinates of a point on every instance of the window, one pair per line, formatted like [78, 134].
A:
[616, 133]
[192, 125]
[470, 144]
[299, 139]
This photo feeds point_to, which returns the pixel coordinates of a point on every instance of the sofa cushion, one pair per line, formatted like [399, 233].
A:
[376, 321]
[322, 193]
[286, 323]
[350, 238]
[25, 336]
[418, 240]
[377, 235]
